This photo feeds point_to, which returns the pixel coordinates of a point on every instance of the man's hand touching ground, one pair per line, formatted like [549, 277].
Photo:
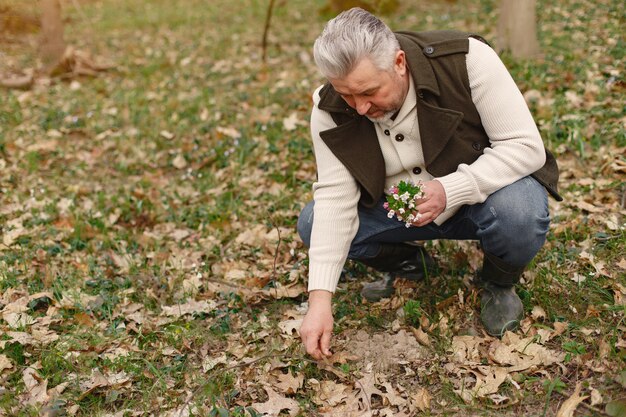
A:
[317, 326]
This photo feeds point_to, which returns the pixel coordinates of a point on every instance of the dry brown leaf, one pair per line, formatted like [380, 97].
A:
[569, 406]
[421, 336]
[209, 363]
[521, 354]
[392, 397]
[489, 380]
[83, 318]
[276, 403]
[583, 205]
[465, 349]
[43, 334]
[5, 363]
[538, 313]
[560, 327]
[229, 131]
[179, 162]
[329, 393]
[292, 122]
[75, 63]
[290, 327]
[22, 338]
[23, 82]
[98, 380]
[37, 388]
[287, 383]
[259, 236]
[596, 397]
[422, 399]
[15, 312]
[367, 387]
[279, 292]
[619, 294]
[190, 307]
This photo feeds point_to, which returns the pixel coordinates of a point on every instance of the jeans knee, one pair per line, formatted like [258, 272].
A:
[305, 224]
[515, 221]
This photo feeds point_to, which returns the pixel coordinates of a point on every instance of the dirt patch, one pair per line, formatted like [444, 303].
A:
[384, 350]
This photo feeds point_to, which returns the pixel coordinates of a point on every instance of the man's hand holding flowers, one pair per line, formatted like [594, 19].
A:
[416, 204]
[432, 204]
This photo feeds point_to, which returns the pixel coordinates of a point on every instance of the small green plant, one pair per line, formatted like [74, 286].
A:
[549, 386]
[573, 348]
[413, 312]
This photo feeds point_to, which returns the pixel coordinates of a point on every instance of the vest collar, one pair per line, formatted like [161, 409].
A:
[419, 67]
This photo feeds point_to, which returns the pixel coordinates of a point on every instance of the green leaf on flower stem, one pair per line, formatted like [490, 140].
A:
[404, 187]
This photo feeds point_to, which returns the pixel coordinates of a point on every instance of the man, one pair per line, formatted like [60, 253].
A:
[436, 107]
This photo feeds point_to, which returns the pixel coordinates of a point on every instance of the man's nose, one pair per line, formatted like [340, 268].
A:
[362, 106]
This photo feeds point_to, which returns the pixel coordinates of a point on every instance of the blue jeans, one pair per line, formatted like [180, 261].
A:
[510, 224]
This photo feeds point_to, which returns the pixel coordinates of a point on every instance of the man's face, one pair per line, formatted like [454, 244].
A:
[374, 93]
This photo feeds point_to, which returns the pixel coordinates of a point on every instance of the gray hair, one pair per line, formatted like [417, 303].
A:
[351, 36]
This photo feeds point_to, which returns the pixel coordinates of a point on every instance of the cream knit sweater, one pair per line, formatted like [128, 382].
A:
[516, 151]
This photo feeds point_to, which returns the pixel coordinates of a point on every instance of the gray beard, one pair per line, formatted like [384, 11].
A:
[385, 119]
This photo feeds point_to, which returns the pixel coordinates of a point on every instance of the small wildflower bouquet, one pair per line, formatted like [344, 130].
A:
[401, 201]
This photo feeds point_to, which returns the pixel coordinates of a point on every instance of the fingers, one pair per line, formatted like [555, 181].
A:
[312, 347]
[424, 219]
[317, 345]
[325, 343]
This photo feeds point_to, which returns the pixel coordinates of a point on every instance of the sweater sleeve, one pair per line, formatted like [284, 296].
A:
[516, 146]
[335, 216]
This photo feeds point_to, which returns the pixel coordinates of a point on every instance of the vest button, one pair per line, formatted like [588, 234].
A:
[386, 132]
[476, 146]
[417, 170]
[399, 137]
[429, 50]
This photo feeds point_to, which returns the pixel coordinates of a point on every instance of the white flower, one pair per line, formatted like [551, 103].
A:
[391, 213]
[401, 211]
[405, 197]
[396, 197]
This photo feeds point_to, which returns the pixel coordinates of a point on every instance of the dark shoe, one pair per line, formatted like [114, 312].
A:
[399, 260]
[383, 288]
[500, 309]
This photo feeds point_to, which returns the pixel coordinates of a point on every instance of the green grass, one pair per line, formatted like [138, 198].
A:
[130, 190]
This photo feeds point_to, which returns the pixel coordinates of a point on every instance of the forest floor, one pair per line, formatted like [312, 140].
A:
[149, 263]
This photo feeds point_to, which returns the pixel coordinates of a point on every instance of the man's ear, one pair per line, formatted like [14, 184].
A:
[400, 62]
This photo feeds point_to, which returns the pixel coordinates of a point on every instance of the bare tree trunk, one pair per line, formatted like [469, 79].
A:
[517, 28]
[52, 44]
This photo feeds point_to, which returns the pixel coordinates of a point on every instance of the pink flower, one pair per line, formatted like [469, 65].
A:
[386, 205]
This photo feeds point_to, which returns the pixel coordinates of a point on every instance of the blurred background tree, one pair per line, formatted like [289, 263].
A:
[52, 44]
[517, 28]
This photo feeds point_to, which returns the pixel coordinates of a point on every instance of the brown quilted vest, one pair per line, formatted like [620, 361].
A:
[449, 124]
